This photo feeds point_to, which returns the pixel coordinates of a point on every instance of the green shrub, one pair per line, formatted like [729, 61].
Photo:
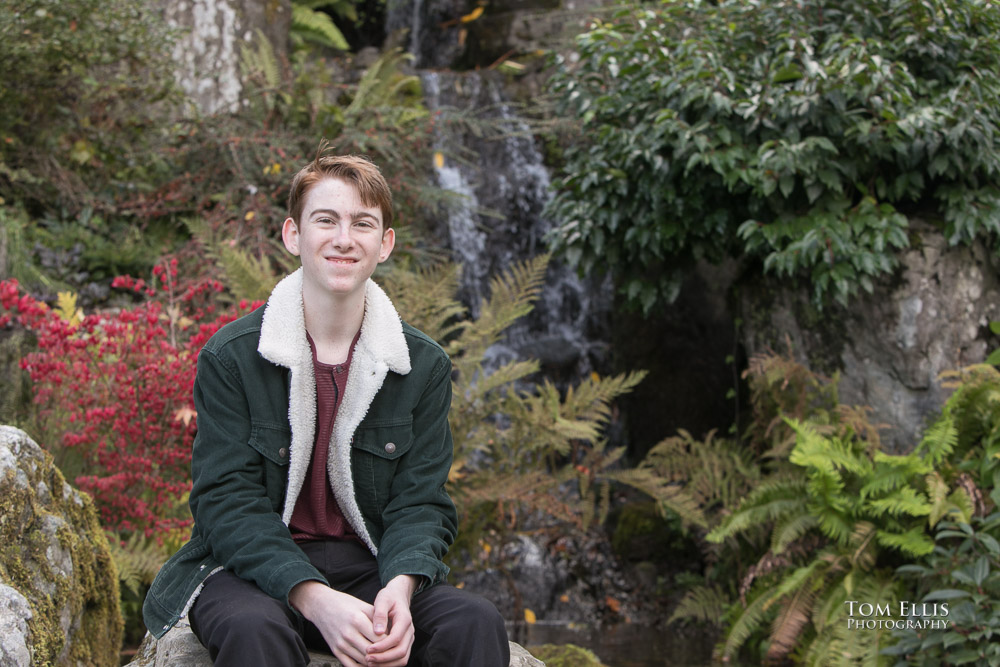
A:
[797, 134]
[964, 573]
[85, 86]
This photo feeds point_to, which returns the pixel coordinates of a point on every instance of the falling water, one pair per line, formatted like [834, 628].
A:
[502, 187]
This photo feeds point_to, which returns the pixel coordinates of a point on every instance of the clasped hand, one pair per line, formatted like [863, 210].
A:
[360, 634]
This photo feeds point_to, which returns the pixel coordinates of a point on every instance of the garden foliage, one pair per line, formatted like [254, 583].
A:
[520, 442]
[825, 516]
[113, 395]
[804, 136]
[86, 85]
[964, 572]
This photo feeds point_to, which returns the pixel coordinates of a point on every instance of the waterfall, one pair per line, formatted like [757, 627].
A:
[501, 189]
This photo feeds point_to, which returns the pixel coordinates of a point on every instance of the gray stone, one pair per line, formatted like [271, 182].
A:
[15, 612]
[890, 347]
[180, 648]
[59, 598]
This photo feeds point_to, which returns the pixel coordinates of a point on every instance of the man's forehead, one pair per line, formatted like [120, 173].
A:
[340, 198]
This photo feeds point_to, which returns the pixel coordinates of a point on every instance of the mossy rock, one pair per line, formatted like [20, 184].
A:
[60, 581]
[565, 655]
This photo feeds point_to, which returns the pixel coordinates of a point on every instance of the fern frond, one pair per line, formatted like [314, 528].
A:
[862, 553]
[752, 617]
[892, 472]
[940, 439]
[828, 455]
[839, 644]
[906, 501]
[833, 523]
[382, 84]
[137, 560]
[261, 63]
[425, 298]
[512, 296]
[248, 277]
[670, 497]
[770, 501]
[913, 542]
[504, 376]
[317, 27]
[590, 400]
[706, 604]
[791, 527]
[799, 591]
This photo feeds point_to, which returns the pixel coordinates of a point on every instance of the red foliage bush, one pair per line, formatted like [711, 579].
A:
[113, 394]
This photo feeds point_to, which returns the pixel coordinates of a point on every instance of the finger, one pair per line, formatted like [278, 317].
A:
[400, 633]
[380, 616]
[353, 646]
[364, 625]
[346, 661]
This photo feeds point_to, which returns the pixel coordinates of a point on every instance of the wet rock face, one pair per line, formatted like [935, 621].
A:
[891, 347]
[437, 35]
[572, 578]
[208, 48]
[59, 598]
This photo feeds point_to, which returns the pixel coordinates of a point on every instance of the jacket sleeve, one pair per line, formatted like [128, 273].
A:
[229, 499]
[420, 519]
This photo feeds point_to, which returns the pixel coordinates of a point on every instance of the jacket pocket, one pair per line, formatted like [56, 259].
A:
[376, 451]
[273, 442]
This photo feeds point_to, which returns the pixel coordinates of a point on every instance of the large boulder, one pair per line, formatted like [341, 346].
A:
[59, 591]
[180, 648]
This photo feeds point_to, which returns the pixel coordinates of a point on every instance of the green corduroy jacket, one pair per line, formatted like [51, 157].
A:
[390, 453]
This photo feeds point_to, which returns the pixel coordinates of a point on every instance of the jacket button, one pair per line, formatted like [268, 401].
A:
[283, 452]
[390, 447]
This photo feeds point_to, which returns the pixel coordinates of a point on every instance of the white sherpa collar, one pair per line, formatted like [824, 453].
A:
[381, 348]
[282, 334]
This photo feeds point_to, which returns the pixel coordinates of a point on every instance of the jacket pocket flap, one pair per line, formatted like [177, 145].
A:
[271, 441]
[387, 441]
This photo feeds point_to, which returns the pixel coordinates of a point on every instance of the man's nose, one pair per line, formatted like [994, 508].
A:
[342, 236]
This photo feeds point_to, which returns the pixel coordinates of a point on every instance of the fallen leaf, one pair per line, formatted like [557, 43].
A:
[185, 415]
[529, 616]
[473, 15]
[438, 159]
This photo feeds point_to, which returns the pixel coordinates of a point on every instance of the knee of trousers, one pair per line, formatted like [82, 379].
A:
[267, 625]
[475, 616]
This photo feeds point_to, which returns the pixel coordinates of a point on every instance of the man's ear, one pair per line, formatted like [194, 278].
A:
[388, 243]
[290, 236]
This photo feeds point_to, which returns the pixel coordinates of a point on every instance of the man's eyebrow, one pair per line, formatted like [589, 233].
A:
[357, 215]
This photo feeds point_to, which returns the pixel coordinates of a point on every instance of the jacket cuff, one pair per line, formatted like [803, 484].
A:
[428, 569]
[287, 577]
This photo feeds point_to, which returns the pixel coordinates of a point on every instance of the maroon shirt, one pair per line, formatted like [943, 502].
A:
[317, 515]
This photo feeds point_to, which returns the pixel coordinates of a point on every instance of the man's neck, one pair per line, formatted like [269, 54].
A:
[332, 323]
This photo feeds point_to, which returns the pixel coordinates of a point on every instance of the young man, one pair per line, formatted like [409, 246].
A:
[323, 447]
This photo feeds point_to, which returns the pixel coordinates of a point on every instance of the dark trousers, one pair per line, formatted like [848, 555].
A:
[242, 626]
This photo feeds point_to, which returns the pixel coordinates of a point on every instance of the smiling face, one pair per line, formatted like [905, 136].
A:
[338, 238]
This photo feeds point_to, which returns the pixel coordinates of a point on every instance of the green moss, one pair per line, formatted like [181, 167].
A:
[565, 655]
[15, 386]
[91, 594]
